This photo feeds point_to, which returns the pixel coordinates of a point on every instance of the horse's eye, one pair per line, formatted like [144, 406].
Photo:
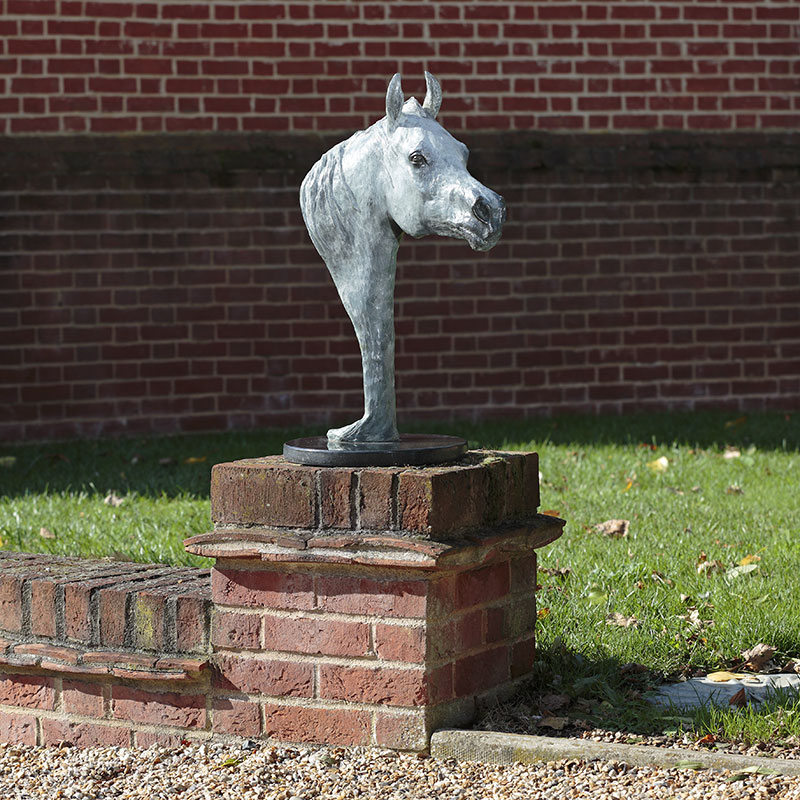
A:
[417, 159]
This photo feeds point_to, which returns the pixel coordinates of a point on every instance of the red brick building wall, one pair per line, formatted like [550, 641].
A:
[155, 273]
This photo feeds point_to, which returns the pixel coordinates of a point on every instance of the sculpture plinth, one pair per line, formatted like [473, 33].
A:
[371, 606]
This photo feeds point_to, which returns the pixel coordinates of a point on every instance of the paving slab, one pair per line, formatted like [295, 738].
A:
[699, 692]
[513, 748]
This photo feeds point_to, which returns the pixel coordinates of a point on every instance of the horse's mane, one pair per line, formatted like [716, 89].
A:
[328, 204]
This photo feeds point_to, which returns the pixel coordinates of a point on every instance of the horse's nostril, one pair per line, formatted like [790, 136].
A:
[482, 210]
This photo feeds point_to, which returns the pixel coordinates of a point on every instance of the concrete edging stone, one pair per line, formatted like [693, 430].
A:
[490, 747]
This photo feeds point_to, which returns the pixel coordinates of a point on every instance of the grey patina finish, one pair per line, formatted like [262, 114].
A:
[404, 174]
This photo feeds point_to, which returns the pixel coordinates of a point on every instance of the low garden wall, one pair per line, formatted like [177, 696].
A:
[345, 606]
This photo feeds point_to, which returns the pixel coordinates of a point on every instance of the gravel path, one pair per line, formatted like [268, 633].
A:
[278, 773]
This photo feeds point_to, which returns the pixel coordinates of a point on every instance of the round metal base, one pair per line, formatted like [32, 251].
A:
[413, 449]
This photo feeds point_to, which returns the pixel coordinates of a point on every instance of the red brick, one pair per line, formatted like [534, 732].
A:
[10, 603]
[80, 697]
[84, 734]
[484, 585]
[335, 497]
[316, 635]
[400, 643]
[481, 671]
[229, 629]
[191, 617]
[157, 708]
[404, 731]
[261, 588]
[375, 499]
[146, 739]
[27, 691]
[149, 617]
[17, 728]
[43, 608]
[379, 685]
[272, 677]
[355, 595]
[323, 725]
[263, 492]
[236, 717]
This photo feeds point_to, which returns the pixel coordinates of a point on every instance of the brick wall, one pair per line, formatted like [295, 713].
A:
[144, 66]
[164, 281]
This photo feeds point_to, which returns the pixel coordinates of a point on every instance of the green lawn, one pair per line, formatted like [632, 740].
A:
[714, 489]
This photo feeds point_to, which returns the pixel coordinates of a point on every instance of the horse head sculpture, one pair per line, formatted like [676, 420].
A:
[404, 174]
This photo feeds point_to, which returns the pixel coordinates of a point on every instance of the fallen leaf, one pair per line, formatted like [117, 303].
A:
[732, 452]
[46, 533]
[632, 668]
[629, 484]
[135, 458]
[659, 464]
[709, 738]
[675, 491]
[166, 462]
[737, 572]
[596, 595]
[621, 621]
[556, 723]
[734, 488]
[723, 676]
[7, 462]
[739, 699]
[112, 499]
[615, 528]
[551, 513]
[542, 613]
[690, 765]
[735, 423]
[201, 459]
[757, 657]
[749, 559]
[709, 567]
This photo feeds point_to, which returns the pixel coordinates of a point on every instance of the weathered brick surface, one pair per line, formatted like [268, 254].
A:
[354, 595]
[271, 677]
[84, 734]
[406, 731]
[375, 502]
[229, 629]
[334, 726]
[237, 717]
[17, 728]
[27, 691]
[262, 588]
[379, 685]
[335, 498]
[483, 585]
[81, 697]
[481, 671]
[158, 708]
[331, 637]
[260, 492]
[401, 643]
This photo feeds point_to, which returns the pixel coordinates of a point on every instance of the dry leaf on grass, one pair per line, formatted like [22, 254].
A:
[723, 676]
[543, 613]
[113, 499]
[659, 464]
[46, 533]
[621, 621]
[556, 572]
[739, 699]
[201, 459]
[756, 658]
[732, 452]
[556, 723]
[615, 528]
[734, 488]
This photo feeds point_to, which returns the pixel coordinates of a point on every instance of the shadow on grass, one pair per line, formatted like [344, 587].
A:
[567, 694]
[181, 465]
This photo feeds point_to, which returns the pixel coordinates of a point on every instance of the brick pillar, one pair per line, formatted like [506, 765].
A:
[370, 605]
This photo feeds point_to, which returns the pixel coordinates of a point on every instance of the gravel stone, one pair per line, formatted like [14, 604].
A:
[218, 770]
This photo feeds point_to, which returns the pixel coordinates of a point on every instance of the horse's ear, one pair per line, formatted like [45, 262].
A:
[394, 100]
[433, 97]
